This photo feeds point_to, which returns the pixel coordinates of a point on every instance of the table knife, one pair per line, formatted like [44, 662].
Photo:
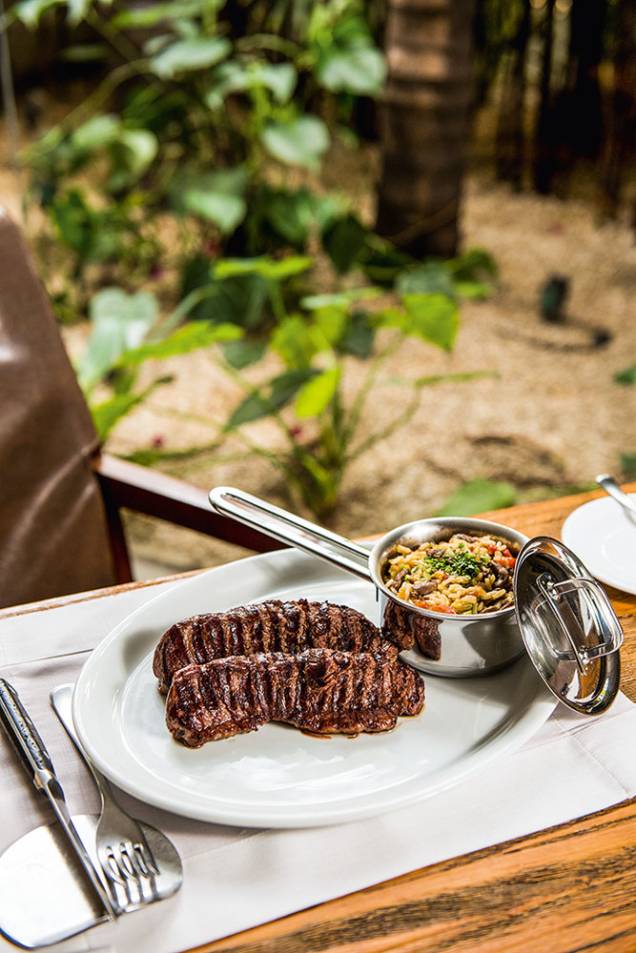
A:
[37, 762]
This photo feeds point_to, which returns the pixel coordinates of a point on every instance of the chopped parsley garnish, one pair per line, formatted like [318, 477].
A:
[459, 563]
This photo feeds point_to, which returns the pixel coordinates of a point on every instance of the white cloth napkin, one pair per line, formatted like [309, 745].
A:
[235, 878]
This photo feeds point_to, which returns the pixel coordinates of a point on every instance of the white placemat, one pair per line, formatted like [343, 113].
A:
[237, 878]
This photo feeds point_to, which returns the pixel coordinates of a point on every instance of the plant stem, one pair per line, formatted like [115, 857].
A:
[249, 388]
[397, 424]
[117, 39]
[370, 377]
[266, 41]
[93, 102]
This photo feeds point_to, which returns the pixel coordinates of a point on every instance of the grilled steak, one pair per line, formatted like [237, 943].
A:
[319, 690]
[272, 626]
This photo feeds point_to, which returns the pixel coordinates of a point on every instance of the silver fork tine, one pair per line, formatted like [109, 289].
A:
[115, 875]
[140, 864]
[131, 869]
[148, 870]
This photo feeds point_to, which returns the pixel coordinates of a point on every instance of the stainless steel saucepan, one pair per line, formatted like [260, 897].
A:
[436, 642]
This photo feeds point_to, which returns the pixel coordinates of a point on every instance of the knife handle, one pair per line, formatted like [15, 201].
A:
[24, 735]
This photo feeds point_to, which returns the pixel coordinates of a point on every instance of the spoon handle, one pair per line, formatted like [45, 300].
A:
[611, 487]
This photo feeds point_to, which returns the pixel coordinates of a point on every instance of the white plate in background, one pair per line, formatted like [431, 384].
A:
[603, 536]
[277, 776]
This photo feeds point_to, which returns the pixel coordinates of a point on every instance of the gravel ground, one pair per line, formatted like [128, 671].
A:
[551, 416]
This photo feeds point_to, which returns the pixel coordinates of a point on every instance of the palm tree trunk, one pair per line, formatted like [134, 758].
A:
[425, 121]
[510, 145]
[543, 136]
[620, 146]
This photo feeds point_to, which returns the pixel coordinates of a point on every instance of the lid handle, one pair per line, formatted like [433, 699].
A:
[597, 604]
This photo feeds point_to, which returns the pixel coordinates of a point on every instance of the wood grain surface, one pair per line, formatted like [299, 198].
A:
[566, 889]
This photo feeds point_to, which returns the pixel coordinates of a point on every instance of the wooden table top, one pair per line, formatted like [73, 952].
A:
[568, 888]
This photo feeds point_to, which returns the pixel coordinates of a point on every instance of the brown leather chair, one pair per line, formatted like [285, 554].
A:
[60, 498]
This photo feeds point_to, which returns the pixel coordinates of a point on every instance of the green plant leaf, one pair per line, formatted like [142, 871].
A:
[294, 342]
[474, 264]
[85, 53]
[478, 496]
[268, 268]
[109, 412]
[236, 77]
[473, 290]
[459, 378]
[154, 13]
[226, 211]
[290, 214]
[344, 240]
[279, 78]
[315, 396]
[268, 399]
[30, 11]
[97, 132]
[359, 70]
[240, 354]
[626, 376]
[433, 317]
[119, 323]
[628, 465]
[301, 141]
[191, 337]
[214, 196]
[77, 10]
[330, 323]
[359, 336]
[340, 299]
[140, 147]
[429, 278]
[189, 55]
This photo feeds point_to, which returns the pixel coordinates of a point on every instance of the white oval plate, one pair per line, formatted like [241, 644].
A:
[603, 536]
[278, 777]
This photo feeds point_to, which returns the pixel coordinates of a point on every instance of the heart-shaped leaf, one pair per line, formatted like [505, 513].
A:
[302, 141]
[189, 55]
[96, 133]
[344, 240]
[214, 196]
[119, 323]
[359, 70]
[240, 354]
[140, 147]
[433, 317]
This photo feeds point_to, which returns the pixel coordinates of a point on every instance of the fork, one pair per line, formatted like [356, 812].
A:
[123, 851]
[611, 487]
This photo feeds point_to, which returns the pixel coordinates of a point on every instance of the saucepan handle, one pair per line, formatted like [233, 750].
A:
[291, 529]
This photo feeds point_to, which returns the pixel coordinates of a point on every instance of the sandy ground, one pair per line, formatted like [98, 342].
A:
[552, 416]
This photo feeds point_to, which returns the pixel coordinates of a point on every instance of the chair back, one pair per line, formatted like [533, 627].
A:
[53, 532]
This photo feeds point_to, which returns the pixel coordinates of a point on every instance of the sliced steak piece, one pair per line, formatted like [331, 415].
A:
[273, 626]
[323, 691]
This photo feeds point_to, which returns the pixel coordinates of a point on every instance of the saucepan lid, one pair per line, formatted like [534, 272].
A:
[568, 626]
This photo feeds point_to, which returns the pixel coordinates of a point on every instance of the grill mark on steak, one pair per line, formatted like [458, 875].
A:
[323, 691]
[273, 626]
